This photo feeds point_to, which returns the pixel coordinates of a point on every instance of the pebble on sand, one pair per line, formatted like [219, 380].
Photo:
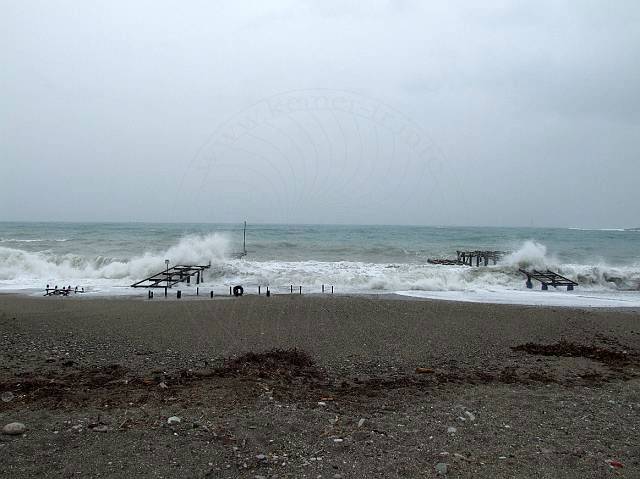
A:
[442, 468]
[451, 430]
[174, 420]
[14, 429]
[7, 396]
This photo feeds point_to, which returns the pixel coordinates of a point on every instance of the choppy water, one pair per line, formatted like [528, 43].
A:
[106, 258]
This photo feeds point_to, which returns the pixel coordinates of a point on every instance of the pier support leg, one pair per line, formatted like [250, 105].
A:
[569, 287]
[545, 287]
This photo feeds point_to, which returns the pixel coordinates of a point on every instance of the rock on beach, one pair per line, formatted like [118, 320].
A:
[14, 429]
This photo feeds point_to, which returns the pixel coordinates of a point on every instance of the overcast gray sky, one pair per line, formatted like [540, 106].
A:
[468, 113]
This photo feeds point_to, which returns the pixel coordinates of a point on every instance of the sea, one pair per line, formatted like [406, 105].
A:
[106, 258]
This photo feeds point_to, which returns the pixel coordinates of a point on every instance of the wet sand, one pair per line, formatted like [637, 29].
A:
[356, 387]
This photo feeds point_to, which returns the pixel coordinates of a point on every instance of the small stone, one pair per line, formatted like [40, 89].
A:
[322, 403]
[261, 457]
[337, 439]
[360, 422]
[7, 396]
[100, 428]
[442, 468]
[14, 429]
[174, 420]
[163, 385]
[470, 415]
[451, 430]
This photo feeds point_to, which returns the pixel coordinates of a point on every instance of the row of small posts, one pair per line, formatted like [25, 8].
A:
[239, 291]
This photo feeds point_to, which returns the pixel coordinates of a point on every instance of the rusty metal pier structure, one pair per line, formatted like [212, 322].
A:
[468, 258]
[174, 275]
[548, 278]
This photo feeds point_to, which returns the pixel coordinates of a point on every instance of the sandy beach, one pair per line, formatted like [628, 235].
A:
[311, 386]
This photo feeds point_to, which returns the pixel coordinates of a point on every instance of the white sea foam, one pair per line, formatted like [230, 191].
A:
[36, 240]
[534, 298]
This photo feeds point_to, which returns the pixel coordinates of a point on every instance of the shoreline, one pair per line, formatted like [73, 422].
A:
[190, 296]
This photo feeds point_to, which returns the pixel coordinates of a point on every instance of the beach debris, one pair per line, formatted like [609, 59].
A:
[7, 396]
[425, 370]
[163, 385]
[442, 468]
[451, 430]
[338, 439]
[361, 422]
[100, 428]
[14, 429]
[261, 458]
[322, 403]
[174, 420]
[470, 415]
[274, 363]
[613, 464]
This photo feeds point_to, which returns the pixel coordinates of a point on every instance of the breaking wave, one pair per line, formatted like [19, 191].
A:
[17, 264]
[20, 269]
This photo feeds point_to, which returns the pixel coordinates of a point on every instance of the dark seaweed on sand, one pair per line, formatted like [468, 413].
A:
[564, 348]
[273, 363]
